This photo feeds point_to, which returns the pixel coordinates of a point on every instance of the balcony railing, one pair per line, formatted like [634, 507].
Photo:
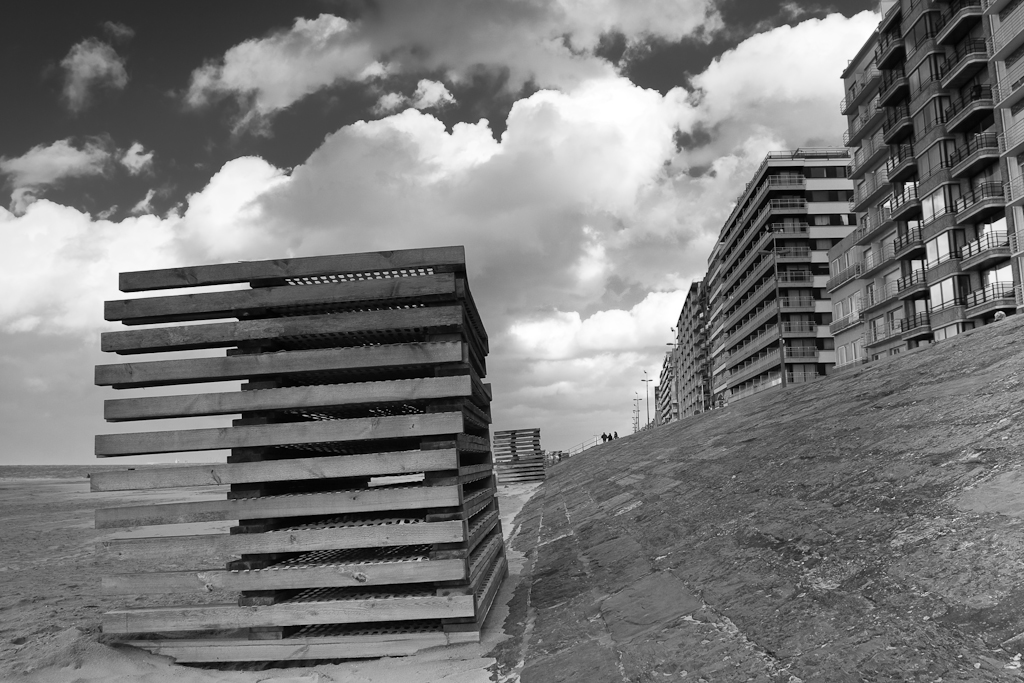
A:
[975, 144]
[1013, 191]
[798, 327]
[1006, 35]
[992, 292]
[909, 194]
[912, 236]
[880, 333]
[847, 321]
[974, 48]
[921, 319]
[856, 89]
[802, 277]
[872, 184]
[976, 93]
[981, 193]
[993, 240]
[845, 275]
[895, 115]
[789, 302]
[877, 259]
[801, 352]
[914, 279]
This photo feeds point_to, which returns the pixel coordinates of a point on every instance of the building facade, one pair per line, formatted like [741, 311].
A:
[768, 311]
[928, 98]
[692, 355]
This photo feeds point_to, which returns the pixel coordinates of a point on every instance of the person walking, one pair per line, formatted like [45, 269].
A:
[616, 435]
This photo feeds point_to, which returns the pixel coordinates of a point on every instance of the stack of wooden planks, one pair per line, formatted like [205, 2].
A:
[360, 473]
[518, 456]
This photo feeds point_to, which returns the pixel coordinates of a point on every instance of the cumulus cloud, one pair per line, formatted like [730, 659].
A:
[45, 165]
[584, 223]
[429, 95]
[136, 159]
[548, 42]
[91, 64]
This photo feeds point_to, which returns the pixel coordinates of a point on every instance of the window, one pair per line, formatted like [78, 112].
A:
[950, 292]
[944, 247]
[821, 220]
[829, 195]
[841, 355]
[826, 172]
[1003, 273]
[992, 227]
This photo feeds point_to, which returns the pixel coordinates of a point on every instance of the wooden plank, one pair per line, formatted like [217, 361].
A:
[290, 433]
[230, 616]
[296, 648]
[239, 303]
[291, 469]
[332, 576]
[220, 335]
[260, 365]
[292, 505]
[439, 258]
[316, 396]
[285, 541]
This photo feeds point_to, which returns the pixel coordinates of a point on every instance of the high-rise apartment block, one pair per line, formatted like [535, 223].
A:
[932, 103]
[765, 320]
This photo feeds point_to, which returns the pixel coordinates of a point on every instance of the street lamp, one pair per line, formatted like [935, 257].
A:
[647, 388]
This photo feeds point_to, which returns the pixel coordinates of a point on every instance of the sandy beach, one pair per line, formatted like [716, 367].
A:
[51, 602]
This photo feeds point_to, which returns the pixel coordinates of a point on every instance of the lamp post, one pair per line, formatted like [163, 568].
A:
[647, 390]
[636, 412]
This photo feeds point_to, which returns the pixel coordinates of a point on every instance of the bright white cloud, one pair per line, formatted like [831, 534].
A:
[549, 42]
[429, 95]
[91, 64]
[136, 159]
[272, 73]
[44, 165]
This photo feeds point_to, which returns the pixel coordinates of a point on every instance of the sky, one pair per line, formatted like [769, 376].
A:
[585, 152]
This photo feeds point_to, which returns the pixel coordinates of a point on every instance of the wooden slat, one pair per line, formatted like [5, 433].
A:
[317, 396]
[333, 576]
[440, 258]
[259, 365]
[229, 616]
[291, 469]
[295, 505]
[295, 540]
[291, 433]
[219, 335]
[239, 303]
[292, 649]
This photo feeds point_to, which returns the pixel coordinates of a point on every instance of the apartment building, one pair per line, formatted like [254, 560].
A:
[768, 311]
[931, 255]
[690, 355]
[666, 401]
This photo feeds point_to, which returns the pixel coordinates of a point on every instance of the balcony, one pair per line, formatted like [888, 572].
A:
[753, 367]
[1009, 36]
[898, 124]
[890, 51]
[1008, 93]
[890, 21]
[851, 272]
[861, 124]
[870, 190]
[797, 304]
[799, 328]
[987, 300]
[751, 346]
[980, 151]
[883, 333]
[893, 88]
[969, 58]
[958, 19]
[801, 354]
[982, 252]
[796, 278]
[859, 89]
[970, 109]
[1011, 143]
[906, 204]
[872, 150]
[844, 323]
[792, 254]
[875, 261]
[981, 202]
[994, 6]
[912, 286]
[879, 296]
[876, 220]
[906, 246]
[789, 228]
[916, 326]
[1014, 192]
[902, 164]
